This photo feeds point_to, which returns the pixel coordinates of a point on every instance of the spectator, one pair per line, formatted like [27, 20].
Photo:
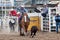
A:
[44, 10]
[57, 19]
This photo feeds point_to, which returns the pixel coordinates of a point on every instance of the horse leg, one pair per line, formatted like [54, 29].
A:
[26, 27]
[20, 31]
[23, 30]
[20, 26]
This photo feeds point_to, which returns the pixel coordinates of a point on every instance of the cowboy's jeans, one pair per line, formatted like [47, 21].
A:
[57, 26]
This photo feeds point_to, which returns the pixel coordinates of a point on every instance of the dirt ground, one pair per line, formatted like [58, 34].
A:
[39, 36]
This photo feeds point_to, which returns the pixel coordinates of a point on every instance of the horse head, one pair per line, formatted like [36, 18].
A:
[25, 17]
[25, 14]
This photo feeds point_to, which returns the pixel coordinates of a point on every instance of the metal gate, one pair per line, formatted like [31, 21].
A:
[4, 24]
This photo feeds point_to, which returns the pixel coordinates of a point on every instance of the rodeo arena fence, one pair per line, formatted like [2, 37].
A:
[5, 23]
[43, 24]
[5, 26]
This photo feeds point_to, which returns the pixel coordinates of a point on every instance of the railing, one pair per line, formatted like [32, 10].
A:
[41, 1]
[7, 3]
[25, 1]
[21, 2]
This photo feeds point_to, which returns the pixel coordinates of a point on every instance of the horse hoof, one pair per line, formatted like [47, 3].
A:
[22, 35]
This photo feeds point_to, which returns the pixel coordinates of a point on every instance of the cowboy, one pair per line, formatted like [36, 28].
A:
[22, 9]
[44, 10]
[57, 19]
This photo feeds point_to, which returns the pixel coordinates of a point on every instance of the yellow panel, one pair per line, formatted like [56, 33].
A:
[35, 21]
